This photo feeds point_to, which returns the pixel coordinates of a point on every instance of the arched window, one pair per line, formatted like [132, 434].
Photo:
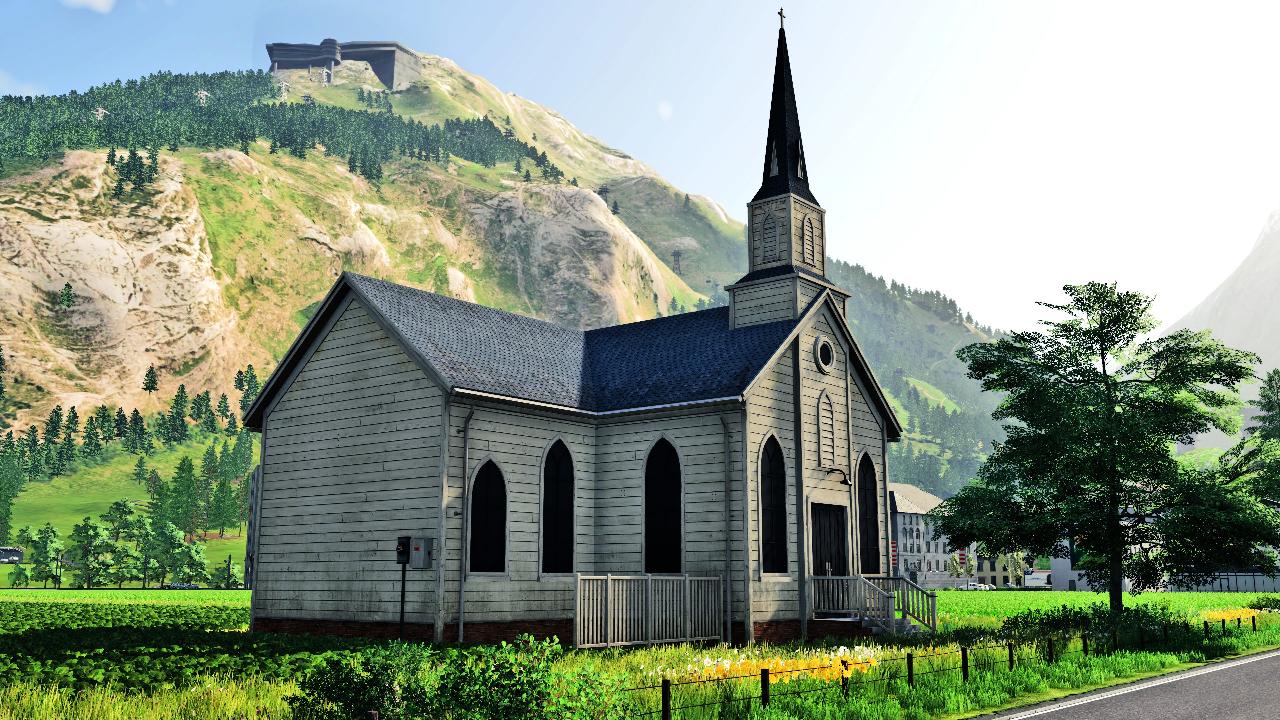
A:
[868, 518]
[557, 510]
[826, 432]
[810, 243]
[769, 239]
[773, 508]
[662, 527]
[488, 551]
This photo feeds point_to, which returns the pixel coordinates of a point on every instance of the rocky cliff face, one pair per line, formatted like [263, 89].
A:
[142, 274]
[218, 263]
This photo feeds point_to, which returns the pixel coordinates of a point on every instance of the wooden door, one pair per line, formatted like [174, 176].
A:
[830, 540]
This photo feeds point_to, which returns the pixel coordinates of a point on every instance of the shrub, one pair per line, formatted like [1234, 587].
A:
[1265, 602]
[518, 681]
[394, 679]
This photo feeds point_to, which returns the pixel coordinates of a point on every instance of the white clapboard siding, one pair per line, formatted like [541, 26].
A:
[352, 462]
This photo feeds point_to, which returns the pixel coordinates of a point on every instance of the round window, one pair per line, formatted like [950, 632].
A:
[824, 353]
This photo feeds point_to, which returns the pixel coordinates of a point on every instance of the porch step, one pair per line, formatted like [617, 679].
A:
[842, 627]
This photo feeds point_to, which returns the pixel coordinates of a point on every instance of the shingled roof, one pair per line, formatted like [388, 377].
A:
[679, 359]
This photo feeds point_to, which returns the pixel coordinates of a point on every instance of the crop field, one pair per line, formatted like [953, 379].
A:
[187, 654]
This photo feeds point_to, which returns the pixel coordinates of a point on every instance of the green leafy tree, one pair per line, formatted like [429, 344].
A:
[118, 518]
[88, 554]
[162, 547]
[151, 380]
[1267, 422]
[126, 564]
[46, 556]
[19, 577]
[1093, 413]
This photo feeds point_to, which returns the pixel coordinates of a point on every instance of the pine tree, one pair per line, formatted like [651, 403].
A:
[150, 381]
[139, 437]
[209, 422]
[91, 445]
[574, 182]
[224, 508]
[117, 191]
[615, 209]
[231, 425]
[66, 297]
[184, 498]
[527, 176]
[35, 465]
[224, 407]
[140, 471]
[207, 482]
[176, 423]
[118, 518]
[250, 389]
[105, 422]
[111, 156]
[121, 424]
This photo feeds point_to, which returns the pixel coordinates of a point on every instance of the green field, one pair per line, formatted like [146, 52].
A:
[933, 395]
[230, 598]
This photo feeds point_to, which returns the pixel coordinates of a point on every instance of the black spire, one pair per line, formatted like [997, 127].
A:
[784, 169]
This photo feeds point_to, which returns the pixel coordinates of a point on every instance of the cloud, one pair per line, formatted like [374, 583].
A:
[665, 110]
[10, 86]
[101, 6]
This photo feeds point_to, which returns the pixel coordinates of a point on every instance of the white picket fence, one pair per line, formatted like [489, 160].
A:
[613, 610]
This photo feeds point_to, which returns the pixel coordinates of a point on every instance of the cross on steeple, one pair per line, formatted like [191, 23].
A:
[781, 17]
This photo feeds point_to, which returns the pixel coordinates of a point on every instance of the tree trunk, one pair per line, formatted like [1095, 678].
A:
[1115, 562]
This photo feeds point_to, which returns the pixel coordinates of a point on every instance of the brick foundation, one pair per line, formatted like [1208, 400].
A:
[478, 632]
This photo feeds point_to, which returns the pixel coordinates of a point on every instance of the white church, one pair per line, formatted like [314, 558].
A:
[711, 475]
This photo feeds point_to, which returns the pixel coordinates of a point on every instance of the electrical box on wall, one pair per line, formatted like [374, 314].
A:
[422, 553]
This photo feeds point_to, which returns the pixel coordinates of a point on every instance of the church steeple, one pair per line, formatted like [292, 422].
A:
[784, 168]
[786, 227]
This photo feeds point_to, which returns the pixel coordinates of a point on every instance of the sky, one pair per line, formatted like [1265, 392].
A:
[990, 150]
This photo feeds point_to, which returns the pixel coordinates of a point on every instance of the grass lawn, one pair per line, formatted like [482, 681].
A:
[234, 598]
[961, 608]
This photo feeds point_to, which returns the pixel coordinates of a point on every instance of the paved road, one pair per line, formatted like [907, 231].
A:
[1245, 689]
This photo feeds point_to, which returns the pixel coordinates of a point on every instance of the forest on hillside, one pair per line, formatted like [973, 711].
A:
[231, 110]
[910, 337]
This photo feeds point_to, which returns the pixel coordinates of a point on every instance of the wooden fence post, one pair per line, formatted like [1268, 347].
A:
[911, 670]
[648, 607]
[1050, 648]
[844, 677]
[964, 663]
[1010, 656]
[1142, 638]
[666, 699]
[764, 687]
[1224, 627]
[1084, 644]
[1254, 621]
[608, 610]
[1206, 629]
[1239, 620]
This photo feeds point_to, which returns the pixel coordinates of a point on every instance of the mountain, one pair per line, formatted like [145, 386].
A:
[1240, 312]
[211, 245]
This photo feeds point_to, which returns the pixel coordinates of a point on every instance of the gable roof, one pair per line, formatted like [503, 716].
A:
[684, 358]
[911, 499]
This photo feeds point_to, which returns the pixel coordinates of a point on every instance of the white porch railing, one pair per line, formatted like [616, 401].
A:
[911, 600]
[851, 595]
[644, 609]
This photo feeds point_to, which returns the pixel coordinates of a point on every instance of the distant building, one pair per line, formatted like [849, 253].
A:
[11, 555]
[394, 64]
[925, 561]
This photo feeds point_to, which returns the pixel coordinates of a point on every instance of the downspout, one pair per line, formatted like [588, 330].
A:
[728, 543]
[445, 421]
[466, 517]
[749, 626]
[798, 417]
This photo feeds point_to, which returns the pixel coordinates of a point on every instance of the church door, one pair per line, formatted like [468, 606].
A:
[830, 555]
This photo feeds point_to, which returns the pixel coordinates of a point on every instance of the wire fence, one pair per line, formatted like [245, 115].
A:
[989, 657]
